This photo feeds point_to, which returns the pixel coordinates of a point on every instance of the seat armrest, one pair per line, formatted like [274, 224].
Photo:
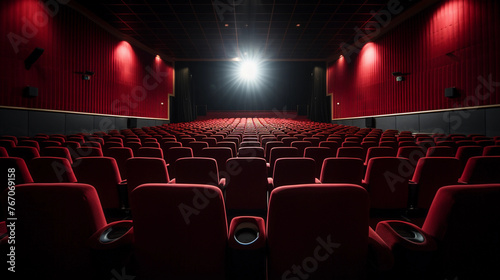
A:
[270, 184]
[222, 184]
[113, 235]
[405, 235]
[317, 181]
[247, 233]
[379, 252]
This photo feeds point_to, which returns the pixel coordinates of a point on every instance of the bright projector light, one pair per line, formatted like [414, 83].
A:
[249, 70]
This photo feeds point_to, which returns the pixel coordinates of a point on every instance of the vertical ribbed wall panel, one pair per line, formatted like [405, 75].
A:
[73, 43]
[454, 43]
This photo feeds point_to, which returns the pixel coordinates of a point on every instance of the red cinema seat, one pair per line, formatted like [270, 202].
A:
[440, 151]
[58, 230]
[247, 185]
[3, 152]
[322, 234]
[458, 240]
[150, 152]
[26, 153]
[174, 154]
[491, 151]
[121, 155]
[197, 170]
[21, 171]
[102, 173]
[196, 249]
[145, 170]
[51, 170]
[431, 174]
[293, 171]
[342, 170]
[351, 152]
[319, 154]
[61, 152]
[221, 155]
[464, 153]
[481, 170]
[251, 152]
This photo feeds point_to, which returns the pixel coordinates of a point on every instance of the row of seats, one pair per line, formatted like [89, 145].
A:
[318, 231]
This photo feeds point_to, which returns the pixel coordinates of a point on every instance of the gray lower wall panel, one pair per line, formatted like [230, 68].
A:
[14, 122]
[46, 122]
[484, 121]
[20, 122]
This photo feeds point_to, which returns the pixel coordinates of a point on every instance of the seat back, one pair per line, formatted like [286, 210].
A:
[54, 224]
[102, 173]
[174, 154]
[323, 235]
[51, 170]
[342, 170]
[142, 170]
[196, 170]
[333, 145]
[379, 152]
[269, 146]
[221, 155]
[281, 152]
[482, 170]
[87, 152]
[196, 249]
[3, 152]
[22, 173]
[352, 152]
[293, 171]
[319, 154]
[440, 151]
[120, 154]
[413, 154]
[302, 145]
[150, 152]
[61, 152]
[197, 146]
[251, 152]
[433, 173]
[24, 152]
[465, 220]
[386, 179]
[491, 151]
[246, 185]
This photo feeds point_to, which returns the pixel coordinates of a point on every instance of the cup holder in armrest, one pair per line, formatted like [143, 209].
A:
[408, 233]
[113, 233]
[246, 233]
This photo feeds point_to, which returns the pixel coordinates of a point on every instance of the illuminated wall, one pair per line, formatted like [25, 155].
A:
[127, 81]
[454, 43]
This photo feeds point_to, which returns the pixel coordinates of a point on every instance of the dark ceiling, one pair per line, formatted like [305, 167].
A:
[226, 29]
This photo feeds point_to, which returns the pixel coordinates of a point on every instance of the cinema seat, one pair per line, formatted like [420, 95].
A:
[342, 170]
[174, 154]
[180, 231]
[221, 155]
[87, 152]
[51, 170]
[57, 227]
[440, 151]
[29, 143]
[197, 170]
[280, 152]
[351, 152]
[251, 152]
[322, 234]
[319, 154]
[431, 174]
[481, 170]
[293, 171]
[464, 153]
[61, 152]
[246, 188]
[141, 170]
[386, 180]
[491, 151]
[458, 240]
[3, 152]
[26, 153]
[22, 173]
[102, 173]
[150, 152]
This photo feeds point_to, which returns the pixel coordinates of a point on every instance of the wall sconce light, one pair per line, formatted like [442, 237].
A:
[400, 76]
[85, 75]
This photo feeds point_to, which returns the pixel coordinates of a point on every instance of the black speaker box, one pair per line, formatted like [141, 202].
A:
[131, 123]
[30, 91]
[35, 54]
[451, 92]
[370, 122]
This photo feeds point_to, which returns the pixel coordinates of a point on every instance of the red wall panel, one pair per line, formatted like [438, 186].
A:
[454, 43]
[128, 81]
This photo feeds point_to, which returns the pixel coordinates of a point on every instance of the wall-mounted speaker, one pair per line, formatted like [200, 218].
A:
[30, 91]
[451, 92]
[131, 123]
[370, 122]
[35, 54]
